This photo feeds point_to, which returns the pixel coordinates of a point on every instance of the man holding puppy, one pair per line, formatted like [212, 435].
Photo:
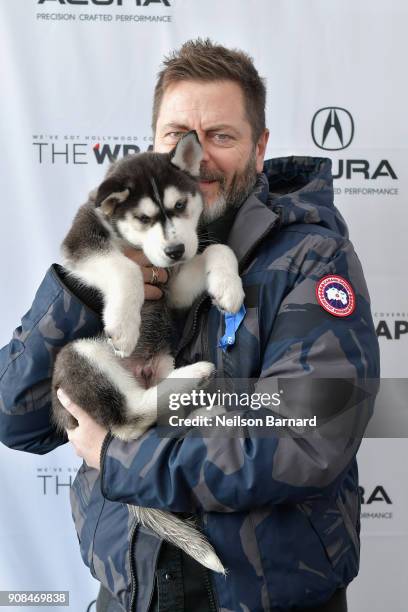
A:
[281, 513]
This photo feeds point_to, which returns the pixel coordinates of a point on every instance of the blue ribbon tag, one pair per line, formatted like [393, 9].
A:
[232, 322]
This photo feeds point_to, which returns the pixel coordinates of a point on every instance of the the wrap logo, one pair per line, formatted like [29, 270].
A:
[127, 3]
[57, 150]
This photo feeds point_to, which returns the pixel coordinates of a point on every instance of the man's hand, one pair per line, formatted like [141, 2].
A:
[88, 437]
[152, 276]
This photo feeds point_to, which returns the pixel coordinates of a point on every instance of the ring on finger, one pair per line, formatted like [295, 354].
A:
[155, 276]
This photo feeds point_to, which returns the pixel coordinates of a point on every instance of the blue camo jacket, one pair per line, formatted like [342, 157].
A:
[282, 513]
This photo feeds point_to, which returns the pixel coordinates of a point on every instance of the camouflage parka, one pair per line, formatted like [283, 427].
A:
[281, 512]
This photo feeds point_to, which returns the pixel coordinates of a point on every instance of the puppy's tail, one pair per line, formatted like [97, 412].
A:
[180, 532]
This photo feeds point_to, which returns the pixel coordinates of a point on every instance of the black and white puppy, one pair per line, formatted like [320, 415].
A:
[152, 202]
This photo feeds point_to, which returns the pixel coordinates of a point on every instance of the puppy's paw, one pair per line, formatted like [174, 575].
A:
[226, 291]
[202, 370]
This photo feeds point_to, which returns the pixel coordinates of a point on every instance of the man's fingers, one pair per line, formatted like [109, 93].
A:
[152, 292]
[137, 256]
[151, 274]
[63, 397]
[158, 275]
[75, 410]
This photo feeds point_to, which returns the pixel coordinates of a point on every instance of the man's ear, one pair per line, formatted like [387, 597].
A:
[260, 150]
[110, 193]
[187, 154]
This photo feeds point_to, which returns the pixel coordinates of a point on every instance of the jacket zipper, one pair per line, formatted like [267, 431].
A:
[133, 577]
[207, 574]
[193, 327]
[206, 356]
[210, 591]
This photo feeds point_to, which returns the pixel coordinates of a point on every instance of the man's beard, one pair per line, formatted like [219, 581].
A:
[233, 196]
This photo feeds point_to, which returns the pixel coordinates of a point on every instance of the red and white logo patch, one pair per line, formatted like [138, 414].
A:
[336, 295]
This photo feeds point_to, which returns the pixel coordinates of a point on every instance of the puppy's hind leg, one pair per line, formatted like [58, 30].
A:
[95, 379]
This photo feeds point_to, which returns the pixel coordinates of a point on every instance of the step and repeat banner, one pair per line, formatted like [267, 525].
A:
[77, 79]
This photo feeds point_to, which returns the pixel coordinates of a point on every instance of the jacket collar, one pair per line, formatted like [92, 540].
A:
[253, 221]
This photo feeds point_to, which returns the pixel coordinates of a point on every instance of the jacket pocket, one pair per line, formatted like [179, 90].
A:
[338, 541]
[351, 518]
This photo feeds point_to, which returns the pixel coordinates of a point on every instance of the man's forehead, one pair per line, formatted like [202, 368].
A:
[214, 105]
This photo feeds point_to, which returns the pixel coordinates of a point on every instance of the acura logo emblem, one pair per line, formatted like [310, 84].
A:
[332, 128]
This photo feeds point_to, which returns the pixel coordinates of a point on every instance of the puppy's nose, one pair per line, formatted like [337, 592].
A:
[175, 252]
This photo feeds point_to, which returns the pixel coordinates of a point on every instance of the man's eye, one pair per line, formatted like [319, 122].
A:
[222, 138]
[143, 219]
[180, 205]
[174, 135]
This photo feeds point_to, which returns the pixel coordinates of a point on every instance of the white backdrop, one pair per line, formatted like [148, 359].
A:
[76, 79]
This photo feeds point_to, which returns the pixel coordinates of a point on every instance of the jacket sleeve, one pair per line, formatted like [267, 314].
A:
[56, 317]
[304, 343]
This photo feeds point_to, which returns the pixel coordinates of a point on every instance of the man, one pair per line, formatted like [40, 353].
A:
[281, 512]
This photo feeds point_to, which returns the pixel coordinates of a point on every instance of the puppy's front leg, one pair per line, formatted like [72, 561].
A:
[223, 282]
[121, 283]
[216, 271]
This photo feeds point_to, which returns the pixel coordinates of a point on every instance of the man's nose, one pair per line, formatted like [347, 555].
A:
[175, 252]
[204, 145]
[205, 152]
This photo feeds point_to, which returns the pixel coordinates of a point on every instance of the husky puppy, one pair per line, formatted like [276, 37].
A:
[152, 202]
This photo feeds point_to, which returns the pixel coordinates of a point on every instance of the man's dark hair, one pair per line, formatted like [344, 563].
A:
[202, 60]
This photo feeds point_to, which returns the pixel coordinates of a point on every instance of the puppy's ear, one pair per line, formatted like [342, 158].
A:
[188, 153]
[110, 193]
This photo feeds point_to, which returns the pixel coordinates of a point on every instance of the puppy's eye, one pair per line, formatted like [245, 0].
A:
[180, 205]
[143, 219]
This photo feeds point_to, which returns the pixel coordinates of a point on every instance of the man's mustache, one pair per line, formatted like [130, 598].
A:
[208, 175]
